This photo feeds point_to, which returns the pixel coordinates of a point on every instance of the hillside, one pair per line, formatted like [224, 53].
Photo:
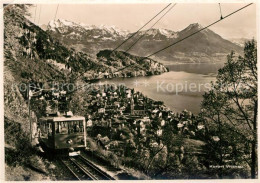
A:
[32, 55]
[206, 46]
[123, 63]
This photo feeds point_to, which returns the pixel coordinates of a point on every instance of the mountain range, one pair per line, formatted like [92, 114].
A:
[205, 46]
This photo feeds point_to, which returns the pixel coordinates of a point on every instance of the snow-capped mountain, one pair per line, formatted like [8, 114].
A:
[202, 47]
[159, 33]
[80, 31]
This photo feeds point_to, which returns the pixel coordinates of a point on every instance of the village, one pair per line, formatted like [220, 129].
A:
[126, 122]
[123, 120]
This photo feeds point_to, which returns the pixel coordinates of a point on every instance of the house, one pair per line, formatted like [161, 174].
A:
[101, 110]
[163, 123]
[89, 123]
[200, 126]
[159, 132]
[138, 111]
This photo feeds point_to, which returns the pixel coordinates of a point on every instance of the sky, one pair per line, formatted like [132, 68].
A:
[133, 16]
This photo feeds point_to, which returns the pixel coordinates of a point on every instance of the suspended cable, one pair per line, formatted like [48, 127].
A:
[141, 28]
[150, 27]
[221, 17]
[56, 12]
[39, 14]
[35, 13]
[188, 36]
[198, 31]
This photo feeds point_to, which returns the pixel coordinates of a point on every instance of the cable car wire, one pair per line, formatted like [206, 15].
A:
[198, 31]
[39, 14]
[150, 28]
[56, 12]
[188, 36]
[140, 28]
[35, 13]
[221, 17]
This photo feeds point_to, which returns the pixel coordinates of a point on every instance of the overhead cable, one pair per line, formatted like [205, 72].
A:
[140, 28]
[150, 28]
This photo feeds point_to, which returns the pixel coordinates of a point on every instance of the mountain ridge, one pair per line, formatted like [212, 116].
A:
[205, 46]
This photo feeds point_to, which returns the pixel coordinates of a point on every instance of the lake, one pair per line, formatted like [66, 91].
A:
[180, 88]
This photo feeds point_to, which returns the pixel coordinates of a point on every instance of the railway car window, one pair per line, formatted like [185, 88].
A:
[64, 127]
[49, 129]
[76, 126]
[70, 128]
[61, 127]
[57, 127]
[81, 126]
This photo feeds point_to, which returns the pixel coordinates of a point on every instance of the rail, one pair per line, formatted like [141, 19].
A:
[82, 169]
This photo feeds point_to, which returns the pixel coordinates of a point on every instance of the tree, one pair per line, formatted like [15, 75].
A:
[230, 107]
[20, 9]
[38, 106]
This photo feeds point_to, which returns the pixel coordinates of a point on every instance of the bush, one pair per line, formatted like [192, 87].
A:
[26, 75]
[20, 141]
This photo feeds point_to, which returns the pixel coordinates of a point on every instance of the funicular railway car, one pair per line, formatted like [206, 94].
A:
[63, 133]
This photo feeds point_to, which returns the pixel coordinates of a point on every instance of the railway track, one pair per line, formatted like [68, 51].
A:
[83, 169]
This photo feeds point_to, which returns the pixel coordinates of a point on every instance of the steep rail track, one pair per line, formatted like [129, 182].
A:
[83, 169]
